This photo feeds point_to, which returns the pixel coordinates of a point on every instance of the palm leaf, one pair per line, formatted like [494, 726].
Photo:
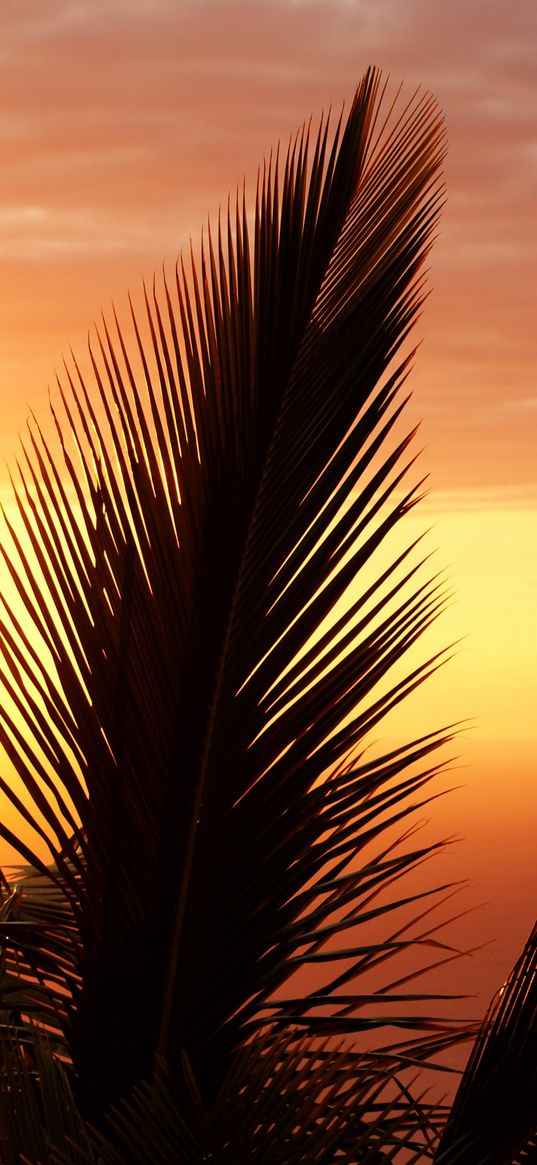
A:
[195, 717]
[39, 1120]
[40, 954]
[494, 1115]
[323, 1094]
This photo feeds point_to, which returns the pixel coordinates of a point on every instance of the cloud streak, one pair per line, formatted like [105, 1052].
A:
[124, 123]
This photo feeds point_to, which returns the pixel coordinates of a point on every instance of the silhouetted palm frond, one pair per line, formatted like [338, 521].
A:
[206, 560]
[494, 1115]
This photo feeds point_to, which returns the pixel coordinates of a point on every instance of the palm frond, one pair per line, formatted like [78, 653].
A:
[39, 1120]
[195, 717]
[494, 1114]
[40, 954]
[323, 1093]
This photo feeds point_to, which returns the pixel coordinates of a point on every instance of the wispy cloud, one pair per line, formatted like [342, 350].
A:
[122, 122]
[470, 499]
[42, 234]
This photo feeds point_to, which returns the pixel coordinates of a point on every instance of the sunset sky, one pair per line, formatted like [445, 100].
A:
[123, 123]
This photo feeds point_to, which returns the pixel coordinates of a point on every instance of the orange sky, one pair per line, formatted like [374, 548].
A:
[123, 122]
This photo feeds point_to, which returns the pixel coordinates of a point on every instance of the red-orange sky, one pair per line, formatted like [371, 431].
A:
[123, 122]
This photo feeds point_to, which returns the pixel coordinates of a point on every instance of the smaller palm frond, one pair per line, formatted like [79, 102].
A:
[39, 1120]
[39, 941]
[322, 1093]
[494, 1115]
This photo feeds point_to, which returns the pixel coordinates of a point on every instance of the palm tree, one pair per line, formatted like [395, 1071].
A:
[216, 959]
